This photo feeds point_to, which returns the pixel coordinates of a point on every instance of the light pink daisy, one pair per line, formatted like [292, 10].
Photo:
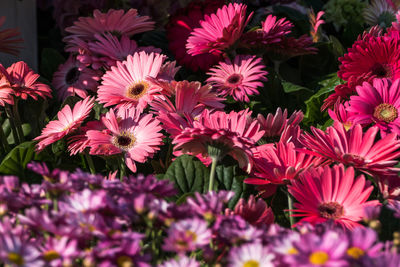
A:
[24, 82]
[126, 85]
[78, 142]
[331, 194]
[239, 78]
[116, 22]
[377, 103]
[68, 121]
[137, 137]
[74, 78]
[232, 134]
[218, 31]
[355, 148]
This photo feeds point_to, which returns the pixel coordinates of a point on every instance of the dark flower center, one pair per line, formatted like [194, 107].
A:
[137, 90]
[381, 70]
[385, 112]
[72, 76]
[331, 210]
[234, 78]
[124, 141]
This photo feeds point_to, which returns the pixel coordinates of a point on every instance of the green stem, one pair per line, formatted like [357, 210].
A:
[12, 125]
[17, 120]
[4, 140]
[212, 174]
[290, 204]
[122, 171]
[90, 163]
[55, 204]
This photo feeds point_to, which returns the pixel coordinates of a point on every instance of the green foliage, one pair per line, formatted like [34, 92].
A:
[50, 60]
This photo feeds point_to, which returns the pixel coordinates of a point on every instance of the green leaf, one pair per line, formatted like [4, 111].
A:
[188, 174]
[289, 87]
[50, 60]
[16, 160]
[337, 47]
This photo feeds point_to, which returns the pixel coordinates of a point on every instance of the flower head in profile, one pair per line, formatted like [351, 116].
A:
[218, 31]
[331, 194]
[6, 92]
[74, 78]
[254, 254]
[380, 12]
[10, 41]
[136, 136]
[218, 134]
[239, 78]
[68, 121]
[24, 82]
[125, 85]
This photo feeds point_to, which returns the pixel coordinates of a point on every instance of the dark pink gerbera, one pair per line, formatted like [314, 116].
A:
[218, 31]
[331, 194]
[239, 78]
[374, 57]
[354, 148]
[182, 24]
[377, 103]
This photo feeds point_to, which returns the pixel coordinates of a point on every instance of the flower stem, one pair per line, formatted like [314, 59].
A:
[4, 140]
[212, 174]
[90, 163]
[290, 204]
[17, 121]
[122, 171]
[12, 125]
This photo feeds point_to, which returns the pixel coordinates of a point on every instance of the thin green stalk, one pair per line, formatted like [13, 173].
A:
[55, 204]
[17, 121]
[90, 163]
[122, 171]
[4, 140]
[12, 125]
[212, 174]
[290, 204]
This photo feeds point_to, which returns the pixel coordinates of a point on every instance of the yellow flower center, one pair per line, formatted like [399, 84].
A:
[251, 263]
[50, 255]
[16, 258]
[292, 251]
[191, 234]
[124, 261]
[355, 252]
[319, 258]
[385, 112]
[137, 90]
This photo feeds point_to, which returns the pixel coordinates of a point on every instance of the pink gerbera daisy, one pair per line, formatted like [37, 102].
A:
[74, 78]
[331, 194]
[239, 78]
[353, 148]
[6, 92]
[126, 84]
[24, 82]
[136, 136]
[10, 41]
[68, 121]
[234, 134]
[218, 31]
[379, 104]
[374, 57]
[116, 22]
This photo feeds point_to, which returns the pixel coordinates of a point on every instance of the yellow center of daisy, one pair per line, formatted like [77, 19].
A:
[50, 255]
[331, 210]
[124, 261]
[251, 263]
[385, 112]
[318, 258]
[234, 79]
[124, 141]
[355, 252]
[137, 90]
[292, 251]
[16, 258]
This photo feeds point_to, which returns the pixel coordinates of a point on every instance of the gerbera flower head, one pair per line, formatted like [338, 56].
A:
[24, 82]
[218, 31]
[125, 85]
[218, 134]
[10, 41]
[74, 78]
[373, 57]
[379, 12]
[340, 114]
[254, 254]
[377, 103]
[6, 92]
[239, 78]
[68, 121]
[331, 194]
[355, 148]
[116, 22]
[182, 24]
[290, 47]
[255, 212]
[137, 137]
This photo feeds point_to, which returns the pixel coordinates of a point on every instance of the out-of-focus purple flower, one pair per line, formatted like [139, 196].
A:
[394, 205]
[181, 262]
[284, 245]
[85, 201]
[210, 204]
[251, 255]
[372, 213]
[15, 250]
[187, 235]
[60, 251]
[234, 229]
[387, 259]
[149, 184]
[363, 245]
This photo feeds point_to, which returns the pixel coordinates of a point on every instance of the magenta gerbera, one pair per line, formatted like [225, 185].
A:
[126, 84]
[218, 31]
[68, 121]
[377, 103]
[137, 137]
[331, 194]
[239, 78]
